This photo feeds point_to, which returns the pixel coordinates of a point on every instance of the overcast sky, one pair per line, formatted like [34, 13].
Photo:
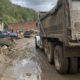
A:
[38, 5]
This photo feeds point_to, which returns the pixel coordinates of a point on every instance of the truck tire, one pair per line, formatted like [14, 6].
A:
[36, 44]
[50, 52]
[73, 65]
[61, 63]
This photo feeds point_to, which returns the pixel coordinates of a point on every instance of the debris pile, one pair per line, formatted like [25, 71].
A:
[6, 41]
[6, 49]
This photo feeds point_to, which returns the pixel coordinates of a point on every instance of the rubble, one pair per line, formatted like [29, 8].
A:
[6, 42]
[6, 49]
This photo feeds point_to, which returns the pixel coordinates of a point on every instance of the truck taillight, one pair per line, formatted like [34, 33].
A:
[67, 11]
[67, 7]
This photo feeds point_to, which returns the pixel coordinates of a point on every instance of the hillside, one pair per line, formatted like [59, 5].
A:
[10, 13]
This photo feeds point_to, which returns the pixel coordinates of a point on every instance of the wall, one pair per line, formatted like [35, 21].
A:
[23, 25]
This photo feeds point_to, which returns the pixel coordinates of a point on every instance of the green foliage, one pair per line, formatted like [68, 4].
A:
[10, 13]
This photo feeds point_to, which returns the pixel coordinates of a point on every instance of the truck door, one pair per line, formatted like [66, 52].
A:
[75, 19]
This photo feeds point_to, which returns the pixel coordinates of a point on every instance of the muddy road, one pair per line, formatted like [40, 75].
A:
[31, 64]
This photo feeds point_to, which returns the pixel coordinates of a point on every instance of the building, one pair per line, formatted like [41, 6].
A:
[22, 26]
[1, 27]
[42, 14]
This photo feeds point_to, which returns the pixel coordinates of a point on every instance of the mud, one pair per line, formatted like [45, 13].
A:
[27, 63]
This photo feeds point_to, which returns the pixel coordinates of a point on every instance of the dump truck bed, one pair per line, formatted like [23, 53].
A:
[62, 22]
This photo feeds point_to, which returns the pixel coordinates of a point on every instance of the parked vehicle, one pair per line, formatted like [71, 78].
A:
[3, 35]
[38, 42]
[13, 35]
[27, 34]
[60, 35]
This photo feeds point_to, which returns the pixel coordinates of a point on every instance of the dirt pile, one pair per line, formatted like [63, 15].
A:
[6, 49]
[6, 41]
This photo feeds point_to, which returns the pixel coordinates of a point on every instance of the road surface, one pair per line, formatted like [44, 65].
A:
[31, 64]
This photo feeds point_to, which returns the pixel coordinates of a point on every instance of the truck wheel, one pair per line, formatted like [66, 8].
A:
[50, 52]
[36, 44]
[61, 63]
[73, 65]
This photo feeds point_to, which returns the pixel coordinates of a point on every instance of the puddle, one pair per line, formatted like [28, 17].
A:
[23, 67]
[23, 70]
